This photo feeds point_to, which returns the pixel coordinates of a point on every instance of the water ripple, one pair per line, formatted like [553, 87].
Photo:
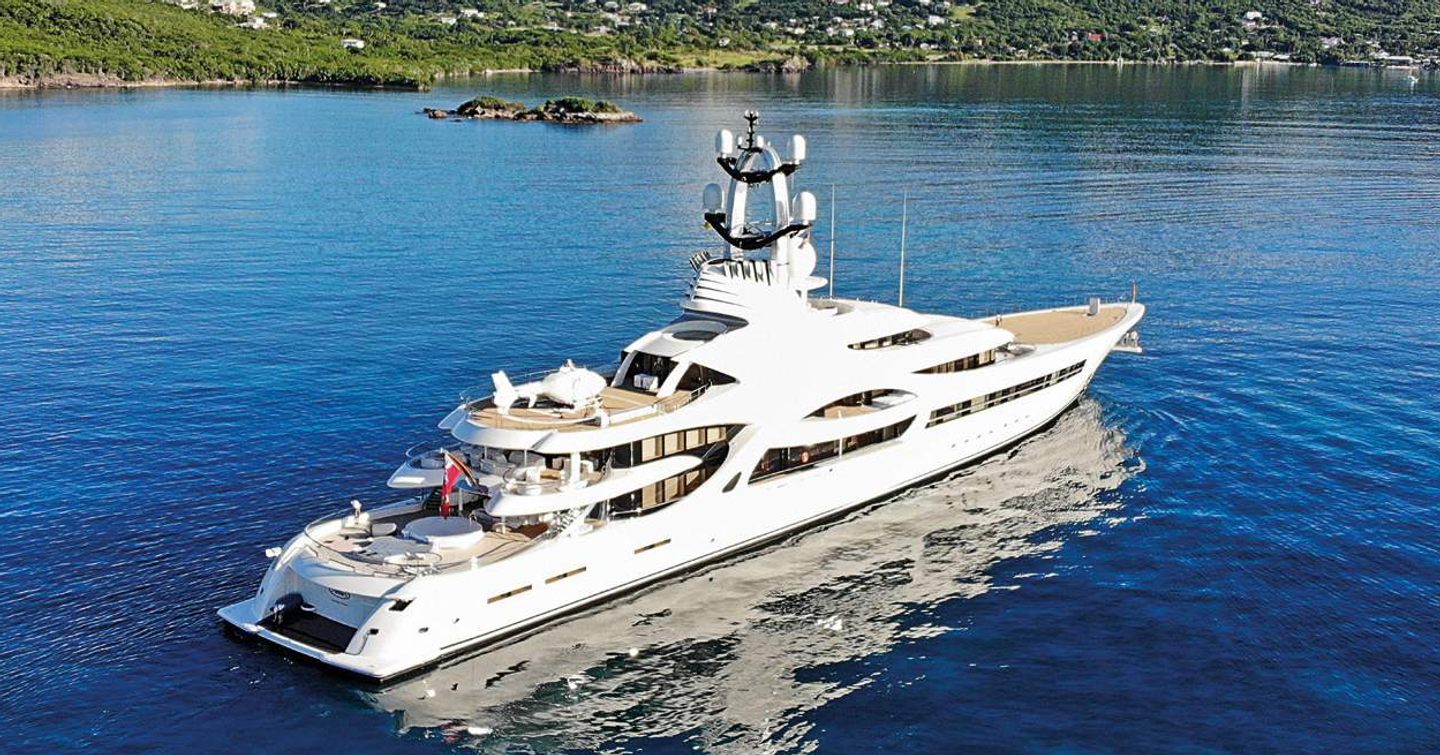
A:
[222, 310]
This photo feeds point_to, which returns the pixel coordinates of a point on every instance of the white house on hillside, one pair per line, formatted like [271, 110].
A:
[233, 7]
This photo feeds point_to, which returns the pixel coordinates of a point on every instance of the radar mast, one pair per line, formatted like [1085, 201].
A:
[757, 172]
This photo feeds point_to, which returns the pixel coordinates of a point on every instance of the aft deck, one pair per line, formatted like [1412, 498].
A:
[617, 406]
[382, 546]
[1059, 326]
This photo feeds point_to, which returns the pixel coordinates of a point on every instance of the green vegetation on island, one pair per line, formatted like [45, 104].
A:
[580, 105]
[414, 42]
[569, 110]
[488, 104]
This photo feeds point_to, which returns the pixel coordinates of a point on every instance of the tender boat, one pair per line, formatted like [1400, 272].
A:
[761, 410]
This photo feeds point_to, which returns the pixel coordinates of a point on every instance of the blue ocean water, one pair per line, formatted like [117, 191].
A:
[224, 311]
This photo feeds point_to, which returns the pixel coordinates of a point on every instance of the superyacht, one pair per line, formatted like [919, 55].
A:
[762, 409]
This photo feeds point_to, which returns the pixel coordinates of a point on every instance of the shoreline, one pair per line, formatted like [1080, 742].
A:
[1068, 62]
[95, 81]
[108, 82]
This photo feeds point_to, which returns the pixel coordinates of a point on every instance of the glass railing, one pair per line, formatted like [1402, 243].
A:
[541, 480]
[423, 455]
[589, 416]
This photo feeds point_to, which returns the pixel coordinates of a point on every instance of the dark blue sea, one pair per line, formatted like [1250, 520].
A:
[222, 312]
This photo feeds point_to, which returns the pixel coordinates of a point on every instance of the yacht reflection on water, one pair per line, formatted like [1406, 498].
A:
[717, 656]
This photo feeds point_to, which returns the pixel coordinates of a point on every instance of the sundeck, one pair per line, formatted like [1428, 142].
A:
[613, 406]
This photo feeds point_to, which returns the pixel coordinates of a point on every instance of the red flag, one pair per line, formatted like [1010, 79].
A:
[454, 467]
[452, 474]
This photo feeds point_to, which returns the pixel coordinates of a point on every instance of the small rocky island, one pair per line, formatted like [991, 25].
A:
[570, 110]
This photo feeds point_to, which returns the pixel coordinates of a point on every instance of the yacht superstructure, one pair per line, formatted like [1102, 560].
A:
[761, 410]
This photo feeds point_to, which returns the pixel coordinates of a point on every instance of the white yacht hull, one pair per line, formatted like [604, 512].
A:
[458, 611]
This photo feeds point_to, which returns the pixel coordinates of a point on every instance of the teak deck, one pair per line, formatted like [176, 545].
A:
[1058, 326]
[613, 400]
[493, 547]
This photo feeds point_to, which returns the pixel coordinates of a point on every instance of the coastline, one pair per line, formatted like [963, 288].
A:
[103, 81]
[98, 81]
[1071, 62]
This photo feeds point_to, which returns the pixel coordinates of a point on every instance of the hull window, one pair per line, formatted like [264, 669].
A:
[990, 400]
[566, 575]
[652, 546]
[509, 594]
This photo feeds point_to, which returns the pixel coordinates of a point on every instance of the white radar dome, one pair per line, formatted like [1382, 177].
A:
[714, 197]
[797, 149]
[807, 207]
[802, 261]
[725, 142]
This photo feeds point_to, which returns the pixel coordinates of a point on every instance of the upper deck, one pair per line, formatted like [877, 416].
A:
[676, 366]
[617, 406]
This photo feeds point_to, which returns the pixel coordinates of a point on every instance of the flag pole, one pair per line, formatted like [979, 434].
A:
[904, 216]
[832, 241]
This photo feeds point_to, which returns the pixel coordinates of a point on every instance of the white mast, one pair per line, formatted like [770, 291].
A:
[754, 164]
[832, 241]
[904, 216]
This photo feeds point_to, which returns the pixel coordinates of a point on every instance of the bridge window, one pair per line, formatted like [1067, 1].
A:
[694, 441]
[995, 398]
[653, 497]
[903, 338]
[780, 461]
[647, 372]
[862, 403]
[962, 364]
[711, 444]
[698, 376]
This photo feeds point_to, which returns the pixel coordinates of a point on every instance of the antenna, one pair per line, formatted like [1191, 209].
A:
[904, 216]
[832, 241]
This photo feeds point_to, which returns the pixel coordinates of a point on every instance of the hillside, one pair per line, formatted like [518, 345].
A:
[137, 40]
[411, 42]
[1309, 31]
